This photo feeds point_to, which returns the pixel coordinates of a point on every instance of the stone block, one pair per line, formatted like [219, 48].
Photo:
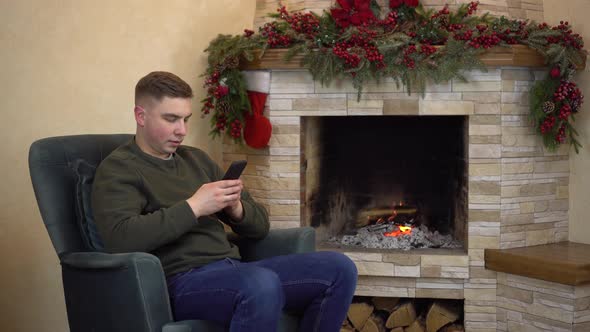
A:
[406, 271]
[484, 199]
[455, 272]
[538, 189]
[365, 103]
[491, 86]
[517, 168]
[485, 130]
[374, 268]
[285, 210]
[485, 140]
[485, 169]
[439, 293]
[508, 86]
[514, 109]
[521, 295]
[480, 294]
[485, 151]
[519, 140]
[483, 215]
[284, 140]
[517, 75]
[336, 86]
[430, 271]
[402, 259]
[298, 81]
[400, 107]
[364, 256]
[484, 242]
[430, 107]
[281, 104]
[560, 166]
[491, 108]
[539, 237]
[320, 104]
[484, 187]
[482, 97]
[521, 98]
[445, 260]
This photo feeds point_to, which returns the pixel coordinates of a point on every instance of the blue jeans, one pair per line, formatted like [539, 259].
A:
[251, 296]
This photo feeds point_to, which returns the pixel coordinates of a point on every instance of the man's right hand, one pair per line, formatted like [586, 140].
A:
[215, 196]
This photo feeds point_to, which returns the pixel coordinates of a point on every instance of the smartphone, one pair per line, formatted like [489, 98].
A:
[235, 170]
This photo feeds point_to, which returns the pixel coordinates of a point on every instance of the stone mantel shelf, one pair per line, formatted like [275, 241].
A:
[515, 55]
[565, 263]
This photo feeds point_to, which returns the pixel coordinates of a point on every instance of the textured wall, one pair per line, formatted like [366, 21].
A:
[521, 9]
[576, 12]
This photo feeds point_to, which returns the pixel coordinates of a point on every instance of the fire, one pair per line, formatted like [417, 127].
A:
[401, 230]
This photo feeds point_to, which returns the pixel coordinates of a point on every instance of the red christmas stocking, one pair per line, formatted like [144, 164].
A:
[257, 129]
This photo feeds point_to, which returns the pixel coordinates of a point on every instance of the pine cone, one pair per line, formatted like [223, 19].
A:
[232, 62]
[548, 107]
[224, 107]
[575, 104]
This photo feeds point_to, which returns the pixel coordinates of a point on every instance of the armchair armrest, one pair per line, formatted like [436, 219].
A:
[115, 292]
[278, 242]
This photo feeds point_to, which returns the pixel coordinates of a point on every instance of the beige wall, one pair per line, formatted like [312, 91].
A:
[576, 12]
[69, 67]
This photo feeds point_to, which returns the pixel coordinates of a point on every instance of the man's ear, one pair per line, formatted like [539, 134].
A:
[139, 115]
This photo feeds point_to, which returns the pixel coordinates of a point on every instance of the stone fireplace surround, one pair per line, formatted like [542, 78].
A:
[518, 191]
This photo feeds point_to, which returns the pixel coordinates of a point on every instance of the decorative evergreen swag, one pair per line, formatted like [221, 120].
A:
[361, 41]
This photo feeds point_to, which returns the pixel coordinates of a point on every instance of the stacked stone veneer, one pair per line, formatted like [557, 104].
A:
[517, 9]
[526, 304]
[518, 192]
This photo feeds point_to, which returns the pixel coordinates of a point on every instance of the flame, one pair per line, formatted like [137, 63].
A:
[401, 230]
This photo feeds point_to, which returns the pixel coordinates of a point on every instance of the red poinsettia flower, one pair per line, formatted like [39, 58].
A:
[355, 12]
[396, 3]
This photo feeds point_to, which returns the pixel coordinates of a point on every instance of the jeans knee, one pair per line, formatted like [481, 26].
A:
[347, 271]
[262, 287]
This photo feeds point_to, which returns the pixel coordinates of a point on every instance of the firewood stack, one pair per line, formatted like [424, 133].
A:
[389, 314]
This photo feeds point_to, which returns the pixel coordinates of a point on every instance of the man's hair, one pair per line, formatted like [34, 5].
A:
[160, 84]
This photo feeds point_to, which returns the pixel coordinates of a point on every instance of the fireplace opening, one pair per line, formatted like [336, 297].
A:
[388, 182]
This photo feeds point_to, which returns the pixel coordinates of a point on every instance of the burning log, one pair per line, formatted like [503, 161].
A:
[404, 315]
[399, 214]
[439, 316]
[359, 313]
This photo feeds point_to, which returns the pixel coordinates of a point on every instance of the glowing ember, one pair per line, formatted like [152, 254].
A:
[401, 230]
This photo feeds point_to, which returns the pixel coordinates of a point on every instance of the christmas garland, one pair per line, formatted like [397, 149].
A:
[359, 40]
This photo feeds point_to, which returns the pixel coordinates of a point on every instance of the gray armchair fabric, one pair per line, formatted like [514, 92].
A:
[121, 292]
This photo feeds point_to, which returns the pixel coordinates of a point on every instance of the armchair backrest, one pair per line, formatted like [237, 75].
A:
[54, 181]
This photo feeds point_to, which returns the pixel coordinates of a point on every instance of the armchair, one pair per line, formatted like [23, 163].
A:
[120, 292]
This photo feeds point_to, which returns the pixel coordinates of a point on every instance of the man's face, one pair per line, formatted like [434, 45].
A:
[163, 125]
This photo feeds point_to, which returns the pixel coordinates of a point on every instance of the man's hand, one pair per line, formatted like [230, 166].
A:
[216, 196]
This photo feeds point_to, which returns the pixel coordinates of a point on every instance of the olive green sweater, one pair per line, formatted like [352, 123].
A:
[139, 204]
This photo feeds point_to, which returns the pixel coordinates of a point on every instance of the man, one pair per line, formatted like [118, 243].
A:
[155, 195]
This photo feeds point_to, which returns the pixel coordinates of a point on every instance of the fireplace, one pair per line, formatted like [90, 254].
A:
[515, 192]
[391, 182]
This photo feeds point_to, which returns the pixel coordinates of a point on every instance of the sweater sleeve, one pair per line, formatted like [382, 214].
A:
[117, 203]
[255, 223]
